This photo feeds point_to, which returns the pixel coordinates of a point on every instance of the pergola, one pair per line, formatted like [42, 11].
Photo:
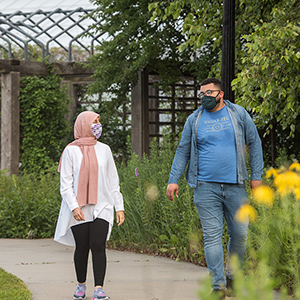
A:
[48, 29]
[152, 109]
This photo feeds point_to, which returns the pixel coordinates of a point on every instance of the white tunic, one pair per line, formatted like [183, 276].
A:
[109, 196]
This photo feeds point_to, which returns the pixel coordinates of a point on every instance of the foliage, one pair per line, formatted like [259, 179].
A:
[13, 287]
[274, 236]
[131, 42]
[153, 223]
[29, 205]
[43, 124]
[116, 126]
[269, 83]
[202, 22]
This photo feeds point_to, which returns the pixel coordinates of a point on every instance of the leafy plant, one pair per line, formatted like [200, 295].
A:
[43, 124]
[153, 223]
[274, 235]
[29, 205]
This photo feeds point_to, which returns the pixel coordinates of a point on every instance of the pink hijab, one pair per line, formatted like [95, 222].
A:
[88, 175]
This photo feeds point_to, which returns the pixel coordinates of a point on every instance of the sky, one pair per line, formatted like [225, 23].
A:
[11, 6]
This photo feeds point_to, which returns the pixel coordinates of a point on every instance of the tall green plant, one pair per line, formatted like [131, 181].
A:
[43, 124]
[274, 236]
[153, 223]
[29, 205]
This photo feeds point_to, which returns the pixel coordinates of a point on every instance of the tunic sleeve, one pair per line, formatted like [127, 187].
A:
[67, 180]
[113, 182]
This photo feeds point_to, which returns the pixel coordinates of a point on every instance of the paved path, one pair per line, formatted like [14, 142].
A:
[47, 269]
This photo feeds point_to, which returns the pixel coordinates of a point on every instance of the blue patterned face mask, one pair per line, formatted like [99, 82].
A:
[96, 129]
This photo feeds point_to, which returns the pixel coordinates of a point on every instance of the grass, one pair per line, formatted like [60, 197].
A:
[13, 288]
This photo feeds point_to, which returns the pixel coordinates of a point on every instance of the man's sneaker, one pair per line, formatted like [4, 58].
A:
[80, 291]
[100, 294]
[230, 291]
[217, 294]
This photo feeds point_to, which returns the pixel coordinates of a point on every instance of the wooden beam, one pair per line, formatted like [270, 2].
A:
[10, 122]
[140, 115]
[67, 70]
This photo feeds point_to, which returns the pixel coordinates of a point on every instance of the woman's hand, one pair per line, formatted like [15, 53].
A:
[78, 214]
[120, 217]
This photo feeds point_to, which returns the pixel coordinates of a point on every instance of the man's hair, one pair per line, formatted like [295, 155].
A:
[213, 80]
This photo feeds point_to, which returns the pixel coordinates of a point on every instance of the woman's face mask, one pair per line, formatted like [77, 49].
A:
[96, 129]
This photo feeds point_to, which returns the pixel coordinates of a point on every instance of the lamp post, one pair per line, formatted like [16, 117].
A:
[228, 46]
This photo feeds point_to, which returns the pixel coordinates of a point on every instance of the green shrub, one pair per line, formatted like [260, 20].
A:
[29, 205]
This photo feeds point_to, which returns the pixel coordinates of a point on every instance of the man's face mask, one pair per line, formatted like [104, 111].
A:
[209, 102]
[96, 129]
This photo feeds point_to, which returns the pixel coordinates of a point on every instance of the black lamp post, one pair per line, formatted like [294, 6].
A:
[228, 45]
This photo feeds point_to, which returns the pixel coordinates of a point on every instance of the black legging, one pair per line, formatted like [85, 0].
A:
[90, 235]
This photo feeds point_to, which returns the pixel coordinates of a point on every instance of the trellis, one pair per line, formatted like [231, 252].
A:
[157, 111]
[61, 28]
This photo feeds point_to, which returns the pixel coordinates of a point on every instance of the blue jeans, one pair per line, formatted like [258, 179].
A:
[213, 201]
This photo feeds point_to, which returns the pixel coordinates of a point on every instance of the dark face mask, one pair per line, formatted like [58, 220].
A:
[209, 102]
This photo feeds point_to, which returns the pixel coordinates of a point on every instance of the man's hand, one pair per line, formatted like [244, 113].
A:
[172, 187]
[255, 183]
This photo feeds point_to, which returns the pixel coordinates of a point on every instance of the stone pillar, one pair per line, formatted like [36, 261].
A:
[10, 122]
[140, 115]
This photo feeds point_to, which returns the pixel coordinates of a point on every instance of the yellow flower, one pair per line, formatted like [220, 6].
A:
[263, 194]
[297, 193]
[245, 213]
[295, 166]
[286, 182]
[271, 172]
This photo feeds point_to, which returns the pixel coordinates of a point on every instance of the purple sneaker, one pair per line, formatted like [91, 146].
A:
[100, 294]
[80, 291]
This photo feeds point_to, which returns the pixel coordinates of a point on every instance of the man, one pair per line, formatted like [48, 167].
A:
[213, 144]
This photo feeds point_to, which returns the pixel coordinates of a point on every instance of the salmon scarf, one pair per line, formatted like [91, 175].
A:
[88, 174]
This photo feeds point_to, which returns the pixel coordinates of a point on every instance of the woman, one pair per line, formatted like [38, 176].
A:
[89, 186]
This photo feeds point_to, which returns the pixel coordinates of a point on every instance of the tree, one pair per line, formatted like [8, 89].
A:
[269, 83]
[130, 43]
[267, 57]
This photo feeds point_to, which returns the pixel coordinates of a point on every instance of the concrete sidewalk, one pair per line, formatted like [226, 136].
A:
[47, 269]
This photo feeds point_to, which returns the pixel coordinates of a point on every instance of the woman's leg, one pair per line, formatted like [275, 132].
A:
[81, 236]
[98, 234]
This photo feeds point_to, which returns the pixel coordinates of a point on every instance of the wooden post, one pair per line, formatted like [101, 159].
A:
[228, 47]
[70, 89]
[10, 122]
[140, 115]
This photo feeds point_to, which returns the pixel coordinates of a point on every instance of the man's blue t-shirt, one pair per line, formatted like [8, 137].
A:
[216, 147]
